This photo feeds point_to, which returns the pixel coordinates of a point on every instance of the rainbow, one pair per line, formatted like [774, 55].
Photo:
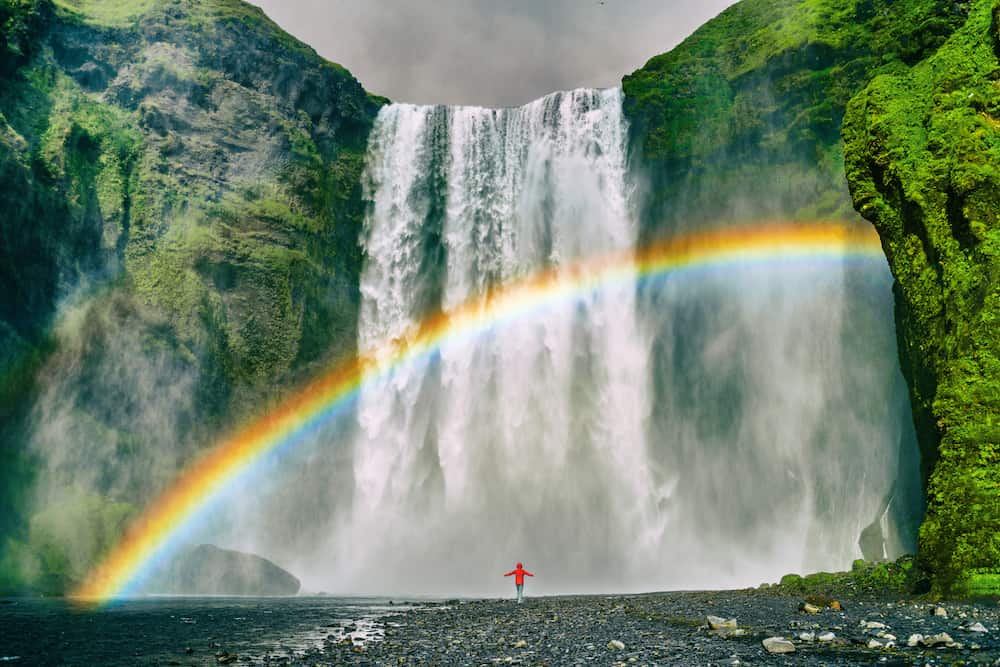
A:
[159, 528]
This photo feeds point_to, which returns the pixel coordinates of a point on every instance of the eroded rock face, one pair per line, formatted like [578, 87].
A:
[923, 164]
[185, 176]
[209, 570]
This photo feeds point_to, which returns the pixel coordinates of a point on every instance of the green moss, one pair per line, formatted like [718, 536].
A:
[68, 538]
[107, 12]
[923, 150]
[742, 119]
[864, 578]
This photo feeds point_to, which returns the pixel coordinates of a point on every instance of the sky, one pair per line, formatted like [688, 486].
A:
[489, 52]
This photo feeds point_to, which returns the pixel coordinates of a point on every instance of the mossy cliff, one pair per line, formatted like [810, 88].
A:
[743, 120]
[183, 178]
[923, 162]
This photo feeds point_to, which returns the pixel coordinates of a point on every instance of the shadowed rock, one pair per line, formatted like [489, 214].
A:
[209, 570]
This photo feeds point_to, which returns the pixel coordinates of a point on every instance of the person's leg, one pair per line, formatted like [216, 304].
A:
[520, 593]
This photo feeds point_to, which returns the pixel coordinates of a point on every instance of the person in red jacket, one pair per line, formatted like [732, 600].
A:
[519, 573]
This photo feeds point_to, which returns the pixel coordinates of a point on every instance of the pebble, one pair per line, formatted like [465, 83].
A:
[809, 608]
[976, 627]
[874, 643]
[616, 645]
[916, 639]
[941, 611]
[827, 637]
[808, 636]
[873, 625]
[521, 644]
[778, 645]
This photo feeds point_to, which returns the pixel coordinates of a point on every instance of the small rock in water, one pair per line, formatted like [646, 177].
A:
[521, 644]
[940, 611]
[916, 639]
[808, 636]
[836, 606]
[718, 623]
[616, 645]
[874, 625]
[226, 658]
[778, 645]
[827, 637]
[874, 643]
[976, 627]
[809, 608]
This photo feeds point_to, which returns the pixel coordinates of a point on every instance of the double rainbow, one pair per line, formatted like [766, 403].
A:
[159, 527]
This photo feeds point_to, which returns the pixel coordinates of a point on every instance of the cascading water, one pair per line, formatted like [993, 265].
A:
[686, 434]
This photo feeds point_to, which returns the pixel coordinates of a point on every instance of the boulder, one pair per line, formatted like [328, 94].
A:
[209, 570]
[778, 645]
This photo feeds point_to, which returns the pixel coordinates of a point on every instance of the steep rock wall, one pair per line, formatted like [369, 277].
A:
[179, 239]
[923, 162]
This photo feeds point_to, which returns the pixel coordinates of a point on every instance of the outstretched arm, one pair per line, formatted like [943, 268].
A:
[528, 574]
[510, 574]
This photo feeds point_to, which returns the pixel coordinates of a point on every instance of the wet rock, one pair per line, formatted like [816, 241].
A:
[940, 639]
[521, 644]
[874, 643]
[778, 645]
[976, 627]
[226, 658]
[827, 637]
[616, 645]
[718, 623]
[916, 639]
[873, 625]
[807, 636]
[940, 611]
[836, 606]
[809, 608]
[209, 570]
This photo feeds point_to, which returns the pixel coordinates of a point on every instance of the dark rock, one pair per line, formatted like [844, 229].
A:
[209, 570]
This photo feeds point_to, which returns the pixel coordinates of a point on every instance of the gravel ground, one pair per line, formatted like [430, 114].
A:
[654, 629]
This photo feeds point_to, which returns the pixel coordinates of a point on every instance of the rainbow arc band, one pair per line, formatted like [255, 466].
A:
[157, 528]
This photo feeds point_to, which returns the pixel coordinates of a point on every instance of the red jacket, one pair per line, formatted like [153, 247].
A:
[519, 573]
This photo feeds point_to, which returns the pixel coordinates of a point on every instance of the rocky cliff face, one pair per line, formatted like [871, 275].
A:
[181, 209]
[923, 162]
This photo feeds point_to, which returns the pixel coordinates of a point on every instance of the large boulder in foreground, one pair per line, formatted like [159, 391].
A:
[209, 570]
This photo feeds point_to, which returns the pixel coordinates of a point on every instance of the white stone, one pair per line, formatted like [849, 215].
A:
[827, 637]
[916, 639]
[941, 611]
[874, 625]
[977, 627]
[778, 645]
[940, 639]
[874, 643]
[808, 636]
[616, 645]
[717, 622]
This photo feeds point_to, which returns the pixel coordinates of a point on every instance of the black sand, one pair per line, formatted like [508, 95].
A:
[655, 629]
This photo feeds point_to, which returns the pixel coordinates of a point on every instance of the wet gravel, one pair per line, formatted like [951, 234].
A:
[654, 629]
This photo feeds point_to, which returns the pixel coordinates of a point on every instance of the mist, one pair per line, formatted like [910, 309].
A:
[709, 429]
[489, 53]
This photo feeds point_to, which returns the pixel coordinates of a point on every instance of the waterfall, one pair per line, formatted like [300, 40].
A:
[686, 434]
